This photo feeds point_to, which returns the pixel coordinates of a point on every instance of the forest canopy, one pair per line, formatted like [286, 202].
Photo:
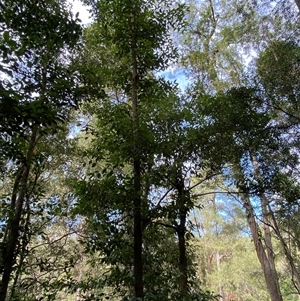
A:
[152, 154]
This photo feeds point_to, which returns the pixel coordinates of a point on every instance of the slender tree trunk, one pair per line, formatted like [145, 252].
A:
[137, 203]
[181, 230]
[266, 225]
[218, 261]
[183, 286]
[294, 272]
[79, 278]
[268, 238]
[14, 222]
[24, 243]
[270, 278]
[218, 255]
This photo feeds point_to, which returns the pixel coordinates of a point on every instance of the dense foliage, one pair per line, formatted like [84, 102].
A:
[118, 185]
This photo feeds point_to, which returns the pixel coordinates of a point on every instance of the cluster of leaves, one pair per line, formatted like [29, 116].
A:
[75, 237]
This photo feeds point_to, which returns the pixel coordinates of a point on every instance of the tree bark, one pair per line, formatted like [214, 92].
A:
[14, 222]
[294, 272]
[268, 238]
[183, 280]
[24, 243]
[270, 278]
[79, 278]
[266, 224]
[218, 255]
[181, 231]
[218, 261]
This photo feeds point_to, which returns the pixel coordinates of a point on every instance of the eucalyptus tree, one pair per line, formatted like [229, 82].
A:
[220, 46]
[282, 94]
[226, 260]
[266, 147]
[242, 119]
[259, 151]
[216, 44]
[37, 93]
[278, 74]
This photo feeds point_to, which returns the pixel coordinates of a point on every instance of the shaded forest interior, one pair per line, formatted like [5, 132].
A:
[151, 154]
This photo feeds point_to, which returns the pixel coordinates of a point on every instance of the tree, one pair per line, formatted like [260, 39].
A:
[278, 71]
[113, 218]
[244, 120]
[281, 92]
[226, 260]
[136, 36]
[222, 39]
[218, 41]
[37, 93]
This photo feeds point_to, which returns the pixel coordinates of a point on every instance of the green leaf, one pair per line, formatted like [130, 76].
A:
[6, 36]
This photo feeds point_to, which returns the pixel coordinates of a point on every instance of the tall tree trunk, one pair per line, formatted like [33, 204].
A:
[268, 238]
[183, 281]
[294, 271]
[181, 231]
[218, 255]
[14, 221]
[218, 261]
[22, 252]
[137, 203]
[266, 224]
[270, 278]
[77, 296]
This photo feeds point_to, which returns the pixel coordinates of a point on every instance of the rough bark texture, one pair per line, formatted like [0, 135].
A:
[137, 202]
[270, 278]
[18, 198]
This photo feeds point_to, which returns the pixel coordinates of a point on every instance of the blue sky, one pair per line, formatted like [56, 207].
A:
[178, 75]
